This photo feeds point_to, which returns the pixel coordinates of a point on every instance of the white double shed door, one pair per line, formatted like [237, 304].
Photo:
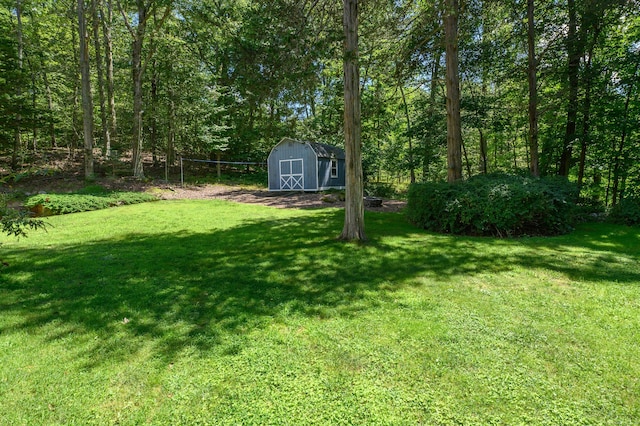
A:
[291, 174]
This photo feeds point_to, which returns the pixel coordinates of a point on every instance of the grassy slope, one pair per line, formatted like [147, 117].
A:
[247, 314]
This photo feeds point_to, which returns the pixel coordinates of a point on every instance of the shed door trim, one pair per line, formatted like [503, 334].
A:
[290, 178]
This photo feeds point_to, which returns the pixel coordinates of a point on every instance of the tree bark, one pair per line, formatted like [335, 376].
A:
[534, 159]
[17, 137]
[52, 126]
[353, 229]
[108, 55]
[431, 111]
[619, 156]
[153, 116]
[106, 135]
[454, 130]
[586, 119]
[483, 152]
[87, 105]
[573, 50]
[137, 73]
[412, 169]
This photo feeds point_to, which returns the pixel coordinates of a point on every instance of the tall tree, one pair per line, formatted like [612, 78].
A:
[532, 71]
[17, 138]
[106, 134]
[87, 104]
[145, 10]
[574, 54]
[106, 17]
[353, 229]
[454, 126]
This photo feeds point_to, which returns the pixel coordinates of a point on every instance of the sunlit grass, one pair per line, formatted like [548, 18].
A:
[208, 312]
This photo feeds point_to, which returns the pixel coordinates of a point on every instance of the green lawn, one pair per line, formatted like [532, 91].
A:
[208, 312]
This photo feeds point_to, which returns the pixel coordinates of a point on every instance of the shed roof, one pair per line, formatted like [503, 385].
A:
[322, 150]
[327, 151]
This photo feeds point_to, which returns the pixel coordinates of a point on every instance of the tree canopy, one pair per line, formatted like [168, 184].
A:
[545, 87]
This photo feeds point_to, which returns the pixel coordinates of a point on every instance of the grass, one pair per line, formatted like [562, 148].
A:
[209, 312]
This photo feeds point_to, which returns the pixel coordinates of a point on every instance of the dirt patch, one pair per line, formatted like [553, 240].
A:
[300, 200]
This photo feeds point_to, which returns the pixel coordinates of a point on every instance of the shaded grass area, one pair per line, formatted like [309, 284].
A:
[207, 312]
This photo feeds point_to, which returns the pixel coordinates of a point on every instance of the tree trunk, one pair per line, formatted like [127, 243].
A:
[171, 134]
[586, 119]
[354, 198]
[34, 105]
[534, 160]
[52, 127]
[106, 135]
[619, 156]
[433, 86]
[108, 55]
[87, 106]
[454, 130]
[412, 169]
[483, 153]
[17, 137]
[136, 66]
[573, 50]
[153, 116]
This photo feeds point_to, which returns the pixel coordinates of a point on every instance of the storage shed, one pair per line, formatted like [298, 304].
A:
[305, 166]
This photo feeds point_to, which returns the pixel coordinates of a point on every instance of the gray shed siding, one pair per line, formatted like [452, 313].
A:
[324, 174]
[287, 150]
[304, 166]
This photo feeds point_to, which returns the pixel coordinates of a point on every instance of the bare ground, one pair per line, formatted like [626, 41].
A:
[301, 200]
[60, 173]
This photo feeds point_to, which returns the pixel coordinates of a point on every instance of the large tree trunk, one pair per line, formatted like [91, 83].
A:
[108, 55]
[573, 49]
[534, 159]
[454, 130]
[106, 136]
[354, 202]
[87, 106]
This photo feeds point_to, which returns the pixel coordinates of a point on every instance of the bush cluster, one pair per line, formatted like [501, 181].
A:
[379, 189]
[497, 205]
[626, 212]
[84, 200]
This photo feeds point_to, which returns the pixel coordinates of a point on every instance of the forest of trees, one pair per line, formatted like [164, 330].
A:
[448, 89]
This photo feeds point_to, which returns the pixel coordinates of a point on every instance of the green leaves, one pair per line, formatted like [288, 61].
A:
[498, 205]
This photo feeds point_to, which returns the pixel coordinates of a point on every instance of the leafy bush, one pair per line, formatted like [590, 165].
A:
[85, 200]
[379, 189]
[499, 205]
[626, 212]
[16, 222]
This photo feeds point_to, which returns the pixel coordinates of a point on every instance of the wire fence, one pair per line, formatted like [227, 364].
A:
[217, 163]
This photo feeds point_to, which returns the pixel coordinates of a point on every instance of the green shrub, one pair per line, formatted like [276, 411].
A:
[380, 189]
[54, 204]
[498, 205]
[16, 222]
[626, 212]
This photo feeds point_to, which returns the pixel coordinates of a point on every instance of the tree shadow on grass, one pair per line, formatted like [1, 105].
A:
[208, 291]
